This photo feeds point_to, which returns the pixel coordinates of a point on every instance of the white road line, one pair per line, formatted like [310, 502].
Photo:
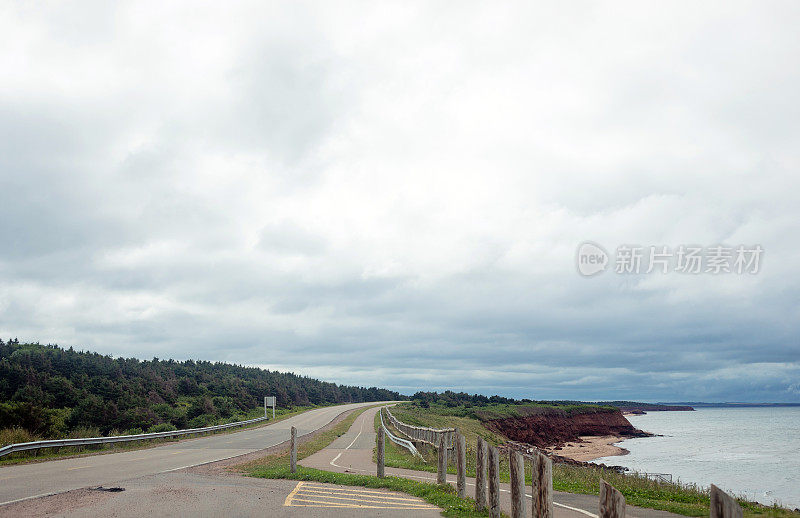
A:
[333, 462]
[27, 498]
[360, 429]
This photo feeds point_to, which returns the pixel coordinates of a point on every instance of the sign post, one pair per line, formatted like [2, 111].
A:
[269, 401]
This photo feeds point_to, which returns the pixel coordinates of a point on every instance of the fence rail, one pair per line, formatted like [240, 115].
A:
[419, 433]
[58, 443]
[397, 440]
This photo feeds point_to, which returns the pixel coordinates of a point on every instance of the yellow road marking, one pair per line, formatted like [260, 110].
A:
[362, 499]
[307, 495]
[359, 506]
[289, 497]
[355, 489]
[77, 467]
[177, 452]
[133, 459]
[306, 490]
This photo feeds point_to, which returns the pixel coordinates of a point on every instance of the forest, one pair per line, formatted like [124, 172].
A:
[53, 392]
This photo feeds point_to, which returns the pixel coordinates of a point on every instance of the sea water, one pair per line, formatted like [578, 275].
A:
[749, 452]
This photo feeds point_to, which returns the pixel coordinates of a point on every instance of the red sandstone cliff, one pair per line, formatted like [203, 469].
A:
[553, 427]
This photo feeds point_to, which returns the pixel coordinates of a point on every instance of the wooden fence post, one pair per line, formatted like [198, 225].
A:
[494, 482]
[612, 503]
[542, 486]
[461, 464]
[293, 454]
[723, 505]
[381, 451]
[441, 475]
[480, 476]
[517, 468]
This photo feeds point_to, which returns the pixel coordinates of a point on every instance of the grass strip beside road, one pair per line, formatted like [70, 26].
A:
[277, 467]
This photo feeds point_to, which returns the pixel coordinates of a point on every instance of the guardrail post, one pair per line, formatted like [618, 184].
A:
[441, 473]
[494, 482]
[461, 464]
[517, 469]
[612, 503]
[723, 505]
[480, 476]
[542, 486]
[381, 451]
[293, 453]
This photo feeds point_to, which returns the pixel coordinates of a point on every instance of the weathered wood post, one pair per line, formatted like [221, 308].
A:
[612, 503]
[293, 453]
[542, 486]
[480, 476]
[461, 464]
[723, 505]
[441, 475]
[381, 451]
[517, 469]
[494, 482]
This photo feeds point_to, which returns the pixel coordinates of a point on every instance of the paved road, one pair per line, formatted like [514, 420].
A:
[28, 481]
[352, 452]
[182, 493]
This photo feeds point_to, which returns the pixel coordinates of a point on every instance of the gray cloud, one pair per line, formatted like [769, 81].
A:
[394, 195]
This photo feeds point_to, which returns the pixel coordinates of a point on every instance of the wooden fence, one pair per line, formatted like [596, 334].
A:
[421, 434]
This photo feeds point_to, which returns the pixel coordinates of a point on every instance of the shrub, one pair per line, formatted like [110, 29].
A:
[163, 427]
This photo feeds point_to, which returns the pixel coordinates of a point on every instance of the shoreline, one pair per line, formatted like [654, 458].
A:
[590, 447]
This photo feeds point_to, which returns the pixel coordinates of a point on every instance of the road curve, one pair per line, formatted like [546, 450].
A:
[22, 482]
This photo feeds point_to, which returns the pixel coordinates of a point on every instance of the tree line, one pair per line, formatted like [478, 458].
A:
[51, 391]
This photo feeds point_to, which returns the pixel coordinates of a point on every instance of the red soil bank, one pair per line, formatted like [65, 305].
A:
[556, 427]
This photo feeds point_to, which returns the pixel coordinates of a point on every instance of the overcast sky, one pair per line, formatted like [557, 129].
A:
[392, 193]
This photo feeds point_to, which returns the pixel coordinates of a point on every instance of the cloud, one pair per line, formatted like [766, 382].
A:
[394, 194]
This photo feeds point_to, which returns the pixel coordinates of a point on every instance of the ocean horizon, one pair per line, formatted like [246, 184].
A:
[751, 452]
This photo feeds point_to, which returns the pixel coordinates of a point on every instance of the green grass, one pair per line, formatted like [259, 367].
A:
[17, 435]
[684, 499]
[277, 466]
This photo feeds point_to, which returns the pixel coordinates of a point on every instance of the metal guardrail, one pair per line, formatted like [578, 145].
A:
[422, 434]
[57, 443]
[397, 440]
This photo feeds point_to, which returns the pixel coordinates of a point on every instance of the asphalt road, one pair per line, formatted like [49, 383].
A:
[182, 493]
[28, 481]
